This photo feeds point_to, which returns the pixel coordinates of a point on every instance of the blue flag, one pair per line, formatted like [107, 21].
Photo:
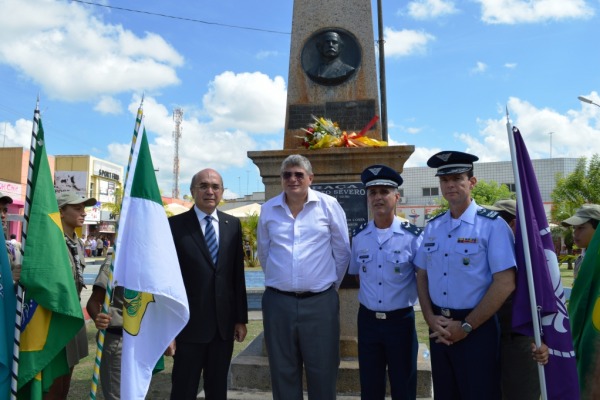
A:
[8, 309]
[561, 370]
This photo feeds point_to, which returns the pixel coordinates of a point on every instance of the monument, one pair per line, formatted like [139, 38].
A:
[332, 74]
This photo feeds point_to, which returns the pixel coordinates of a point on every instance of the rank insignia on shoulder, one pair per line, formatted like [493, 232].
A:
[415, 230]
[491, 214]
[437, 216]
[359, 229]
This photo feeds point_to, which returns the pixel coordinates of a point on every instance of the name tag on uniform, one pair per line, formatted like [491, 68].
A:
[467, 240]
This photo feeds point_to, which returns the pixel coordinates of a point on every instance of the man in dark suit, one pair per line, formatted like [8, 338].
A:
[210, 252]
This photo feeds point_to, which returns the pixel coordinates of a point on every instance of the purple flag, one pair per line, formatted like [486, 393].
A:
[561, 370]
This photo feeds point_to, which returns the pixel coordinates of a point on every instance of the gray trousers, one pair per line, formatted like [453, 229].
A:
[302, 331]
[110, 367]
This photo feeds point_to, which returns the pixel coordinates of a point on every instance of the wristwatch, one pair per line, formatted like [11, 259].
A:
[466, 327]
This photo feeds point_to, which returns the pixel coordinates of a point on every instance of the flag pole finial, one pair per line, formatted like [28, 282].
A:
[142, 102]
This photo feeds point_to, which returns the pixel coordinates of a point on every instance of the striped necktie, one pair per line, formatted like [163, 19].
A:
[211, 239]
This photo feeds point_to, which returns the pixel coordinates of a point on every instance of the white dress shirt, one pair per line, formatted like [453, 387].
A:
[307, 253]
[215, 221]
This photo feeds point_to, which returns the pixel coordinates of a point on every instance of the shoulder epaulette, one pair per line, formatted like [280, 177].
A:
[491, 214]
[415, 230]
[359, 229]
[437, 216]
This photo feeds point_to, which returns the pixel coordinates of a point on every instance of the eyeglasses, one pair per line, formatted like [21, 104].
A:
[205, 186]
[287, 175]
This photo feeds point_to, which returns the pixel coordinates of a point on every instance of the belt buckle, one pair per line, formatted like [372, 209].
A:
[445, 312]
[380, 315]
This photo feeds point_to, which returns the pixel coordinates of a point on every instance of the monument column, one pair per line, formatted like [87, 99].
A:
[332, 74]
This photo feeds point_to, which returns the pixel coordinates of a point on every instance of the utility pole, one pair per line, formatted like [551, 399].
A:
[382, 90]
[177, 117]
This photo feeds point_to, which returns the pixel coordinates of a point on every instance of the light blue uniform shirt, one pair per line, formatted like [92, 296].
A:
[460, 261]
[386, 270]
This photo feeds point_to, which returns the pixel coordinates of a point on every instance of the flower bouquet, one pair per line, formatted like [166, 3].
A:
[324, 133]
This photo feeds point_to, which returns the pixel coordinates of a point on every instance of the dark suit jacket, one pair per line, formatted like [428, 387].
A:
[216, 294]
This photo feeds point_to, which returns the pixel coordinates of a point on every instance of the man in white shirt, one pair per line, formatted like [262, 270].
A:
[304, 249]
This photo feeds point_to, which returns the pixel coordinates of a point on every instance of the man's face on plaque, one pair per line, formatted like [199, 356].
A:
[330, 44]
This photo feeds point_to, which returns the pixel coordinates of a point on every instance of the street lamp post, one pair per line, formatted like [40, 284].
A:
[586, 100]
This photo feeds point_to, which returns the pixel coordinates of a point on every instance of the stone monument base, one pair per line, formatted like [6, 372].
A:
[250, 372]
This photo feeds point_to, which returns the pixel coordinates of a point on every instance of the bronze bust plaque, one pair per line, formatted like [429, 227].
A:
[331, 56]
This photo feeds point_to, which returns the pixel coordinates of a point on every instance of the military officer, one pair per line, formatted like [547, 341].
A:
[382, 257]
[465, 272]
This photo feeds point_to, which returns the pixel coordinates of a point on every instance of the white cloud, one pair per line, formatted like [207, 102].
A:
[570, 130]
[17, 135]
[479, 68]
[75, 56]
[252, 102]
[406, 42]
[510, 65]
[108, 105]
[527, 11]
[261, 55]
[429, 9]
[219, 134]
[420, 156]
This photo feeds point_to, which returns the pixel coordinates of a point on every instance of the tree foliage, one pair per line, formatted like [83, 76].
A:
[579, 187]
[484, 193]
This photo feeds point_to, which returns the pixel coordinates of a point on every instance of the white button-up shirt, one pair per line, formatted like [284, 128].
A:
[306, 253]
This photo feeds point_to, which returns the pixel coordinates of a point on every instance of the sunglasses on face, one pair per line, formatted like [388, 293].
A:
[288, 175]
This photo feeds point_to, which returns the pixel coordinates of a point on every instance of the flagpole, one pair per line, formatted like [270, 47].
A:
[24, 226]
[527, 254]
[109, 285]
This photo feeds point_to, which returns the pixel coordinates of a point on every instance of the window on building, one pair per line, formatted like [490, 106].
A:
[431, 191]
[511, 186]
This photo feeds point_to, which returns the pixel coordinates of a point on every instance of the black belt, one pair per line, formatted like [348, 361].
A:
[401, 312]
[115, 331]
[298, 295]
[451, 312]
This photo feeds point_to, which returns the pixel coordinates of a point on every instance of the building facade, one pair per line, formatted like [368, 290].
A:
[86, 175]
[91, 177]
[421, 190]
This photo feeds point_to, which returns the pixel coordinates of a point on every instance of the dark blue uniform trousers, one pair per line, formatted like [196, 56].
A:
[391, 343]
[470, 368]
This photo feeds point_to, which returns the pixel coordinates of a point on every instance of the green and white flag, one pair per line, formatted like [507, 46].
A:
[146, 265]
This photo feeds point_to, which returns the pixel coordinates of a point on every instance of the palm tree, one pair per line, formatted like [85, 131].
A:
[249, 225]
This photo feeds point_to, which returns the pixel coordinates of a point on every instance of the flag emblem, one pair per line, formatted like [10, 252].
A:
[136, 305]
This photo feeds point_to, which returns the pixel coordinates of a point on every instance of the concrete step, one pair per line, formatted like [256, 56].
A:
[250, 372]
[259, 395]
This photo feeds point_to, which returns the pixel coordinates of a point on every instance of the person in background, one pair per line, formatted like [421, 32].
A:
[466, 270]
[304, 249]
[112, 322]
[14, 253]
[100, 247]
[87, 245]
[382, 256]
[93, 245]
[519, 356]
[584, 224]
[72, 214]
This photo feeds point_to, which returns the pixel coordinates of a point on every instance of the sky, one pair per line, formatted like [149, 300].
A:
[452, 70]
